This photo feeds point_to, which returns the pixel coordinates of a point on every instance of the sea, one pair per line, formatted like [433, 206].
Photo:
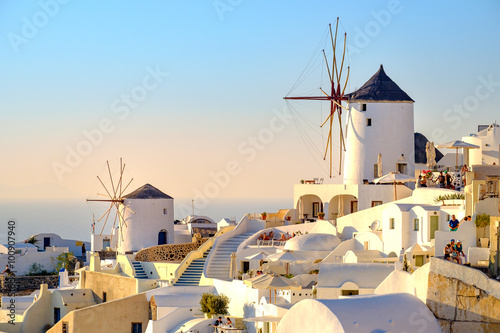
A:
[72, 218]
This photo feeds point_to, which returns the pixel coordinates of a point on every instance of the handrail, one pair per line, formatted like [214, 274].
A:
[197, 254]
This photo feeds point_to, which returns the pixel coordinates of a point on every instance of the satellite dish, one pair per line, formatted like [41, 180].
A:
[375, 225]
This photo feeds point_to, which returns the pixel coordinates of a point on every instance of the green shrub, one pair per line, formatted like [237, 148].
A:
[214, 304]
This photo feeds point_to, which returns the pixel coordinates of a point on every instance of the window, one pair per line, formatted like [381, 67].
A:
[363, 107]
[57, 315]
[164, 211]
[391, 223]
[65, 327]
[354, 206]
[104, 296]
[136, 327]
[416, 224]
[376, 203]
[316, 209]
[350, 292]
[245, 266]
[368, 121]
[366, 245]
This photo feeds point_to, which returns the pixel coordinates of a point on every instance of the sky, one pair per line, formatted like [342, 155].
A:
[190, 93]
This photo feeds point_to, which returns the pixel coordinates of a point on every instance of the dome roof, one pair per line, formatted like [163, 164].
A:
[313, 242]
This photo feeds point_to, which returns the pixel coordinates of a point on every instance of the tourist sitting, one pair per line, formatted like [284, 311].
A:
[288, 236]
[271, 234]
[454, 254]
[7, 271]
[262, 236]
[229, 322]
[283, 237]
[461, 257]
[447, 252]
[448, 180]
[454, 223]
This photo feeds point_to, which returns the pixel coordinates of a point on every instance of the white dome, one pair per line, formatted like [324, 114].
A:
[313, 242]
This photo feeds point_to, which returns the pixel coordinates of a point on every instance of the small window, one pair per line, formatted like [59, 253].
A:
[350, 292]
[416, 224]
[164, 211]
[366, 245]
[65, 327]
[104, 296]
[136, 327]
[391, 223]
[363, 107]
[376, 203]
[57, 315]
[368, 121]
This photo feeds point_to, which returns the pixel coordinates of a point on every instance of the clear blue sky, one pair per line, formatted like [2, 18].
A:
[65, 68]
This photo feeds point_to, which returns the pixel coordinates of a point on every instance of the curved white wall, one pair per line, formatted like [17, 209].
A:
[142, 228]
[391, 133]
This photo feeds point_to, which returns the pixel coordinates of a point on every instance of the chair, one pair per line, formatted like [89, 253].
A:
[315, 180]
[320, 181]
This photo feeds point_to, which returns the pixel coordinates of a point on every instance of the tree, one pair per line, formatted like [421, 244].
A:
[64, 260]
[483, 221]
[32, 240]
[214, 304]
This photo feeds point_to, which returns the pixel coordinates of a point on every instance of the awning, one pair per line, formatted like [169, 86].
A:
[264, 319]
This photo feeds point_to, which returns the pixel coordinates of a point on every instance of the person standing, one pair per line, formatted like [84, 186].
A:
[454, 223]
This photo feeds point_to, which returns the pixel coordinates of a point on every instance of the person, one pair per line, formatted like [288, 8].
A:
[419, 182]
[440, 179]
[218, 322]
[7, 270]
[229, 322]
[464, 171]
[454, 254]
[84, 252]
[462, 259]
[423, 181]
[454, 223]
[447, 252]
[283, 237]
[448, 179]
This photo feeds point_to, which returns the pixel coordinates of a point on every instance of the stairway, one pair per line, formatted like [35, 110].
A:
[192, 274]
[139, 271]
[220, 261]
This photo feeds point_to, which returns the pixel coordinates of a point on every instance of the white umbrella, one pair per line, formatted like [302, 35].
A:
[394, 178]
[287, 257]
[233, 269]
[430, 152]
[457, 144]
[271, 282]
[262, 255]
[379, 165]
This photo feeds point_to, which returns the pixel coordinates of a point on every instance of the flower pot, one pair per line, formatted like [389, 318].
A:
[288, 218]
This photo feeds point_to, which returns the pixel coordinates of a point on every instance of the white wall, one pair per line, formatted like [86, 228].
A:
[143, 221]
[391, 134]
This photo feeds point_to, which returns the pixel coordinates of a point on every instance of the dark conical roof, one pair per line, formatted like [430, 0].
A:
[380, 88]
[147, 192]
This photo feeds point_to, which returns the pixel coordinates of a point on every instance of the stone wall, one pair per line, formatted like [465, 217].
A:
[463, 299]
[18, 284]
[104, 254]
[169, 252]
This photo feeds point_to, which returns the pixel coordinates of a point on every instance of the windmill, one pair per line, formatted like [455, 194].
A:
[114, 196]
[335, 95]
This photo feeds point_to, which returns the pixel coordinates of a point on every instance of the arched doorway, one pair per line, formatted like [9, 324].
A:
[341, 205]
[308, 206]
[162, 237]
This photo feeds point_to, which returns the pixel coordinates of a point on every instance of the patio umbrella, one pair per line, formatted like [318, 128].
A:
[394, 177]
[262, 255]
[430, 152]
[233, 269]
[379, 165]
[287, 257]
[457, 144]
[272, 282]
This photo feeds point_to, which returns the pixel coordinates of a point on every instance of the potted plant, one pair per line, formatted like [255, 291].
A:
[321, 215]
[263, 216]
[302, 181]
[212, 304]
[483, 221]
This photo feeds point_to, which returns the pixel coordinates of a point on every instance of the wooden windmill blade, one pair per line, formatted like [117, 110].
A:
[336, 96]
[113, 196]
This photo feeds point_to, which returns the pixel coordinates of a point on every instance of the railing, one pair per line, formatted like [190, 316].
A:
[197, 254]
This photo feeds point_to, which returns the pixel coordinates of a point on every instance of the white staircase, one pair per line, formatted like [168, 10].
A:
[220, 259]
